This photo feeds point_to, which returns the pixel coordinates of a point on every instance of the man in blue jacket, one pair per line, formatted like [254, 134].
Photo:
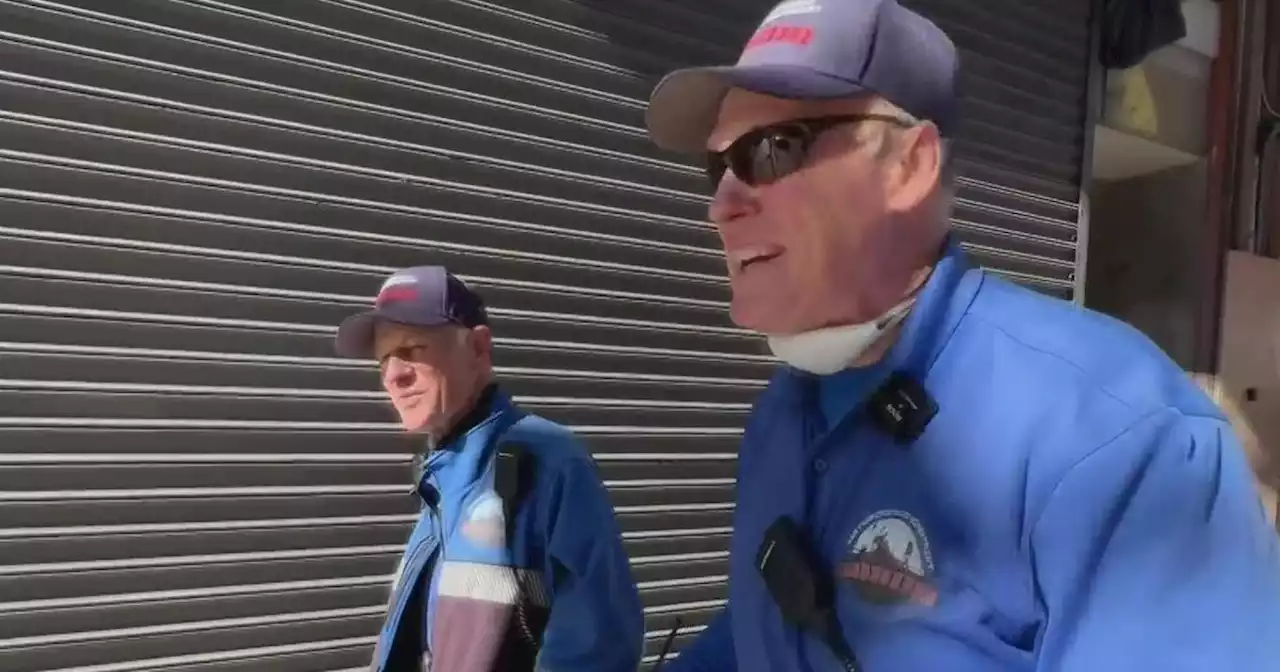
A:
[516, 562]
[951, 472]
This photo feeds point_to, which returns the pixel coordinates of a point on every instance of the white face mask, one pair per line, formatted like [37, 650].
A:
[825, 351]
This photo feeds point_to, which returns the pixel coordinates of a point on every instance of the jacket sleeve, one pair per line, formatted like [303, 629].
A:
[1153, 553]
[596, 622]
[711, 651]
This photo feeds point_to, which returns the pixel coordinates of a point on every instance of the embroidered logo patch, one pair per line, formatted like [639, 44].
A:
[889, 561]
[484, 524]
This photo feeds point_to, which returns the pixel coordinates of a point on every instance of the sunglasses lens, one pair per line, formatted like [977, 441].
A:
[761, 157]
[777, 155]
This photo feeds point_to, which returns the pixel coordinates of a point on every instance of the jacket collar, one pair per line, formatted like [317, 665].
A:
[483, 407]
[461, 457]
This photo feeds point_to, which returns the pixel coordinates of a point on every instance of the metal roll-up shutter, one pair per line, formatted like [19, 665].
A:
[193, 193]
[1020, 149]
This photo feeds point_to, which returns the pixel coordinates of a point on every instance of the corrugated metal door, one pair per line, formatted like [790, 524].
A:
[193, 193]
[1020, 150]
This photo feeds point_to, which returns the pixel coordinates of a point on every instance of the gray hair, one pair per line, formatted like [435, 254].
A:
[946, 178]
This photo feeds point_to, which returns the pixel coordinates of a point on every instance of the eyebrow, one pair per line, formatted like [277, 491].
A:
[402, 346]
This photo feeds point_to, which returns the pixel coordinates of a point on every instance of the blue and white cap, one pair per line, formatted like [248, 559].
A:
[816, 50]
[423, 296]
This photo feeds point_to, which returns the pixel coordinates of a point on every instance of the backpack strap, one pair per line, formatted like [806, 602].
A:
[512, 472]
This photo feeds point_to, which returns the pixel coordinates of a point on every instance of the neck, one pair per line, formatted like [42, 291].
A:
[477, 408]
[885, 343]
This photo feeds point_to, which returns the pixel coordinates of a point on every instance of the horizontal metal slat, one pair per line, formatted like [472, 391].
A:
[1020, 153]
[25, 517]
[18, 478]
[1061, 34]
[138, 472]
[352, 655]
[389, 445]
[1045, 272]
[195, 270]
[284, 176]
[1048, 69]
[673, 498]
[1018, 213]
[231, 579]
[347, 252]
[1001, 115]
[43, 551]
[302, 657]
[680, 19]
[175, 371]
[152, 102]
[92, 71]
[121, 646]
[18, 405]
[1068, 21]
[274, 219]
[267, 65]
[316, 315]
[189, 601]
[377, 40]
[580, 33]
[67, 328]
[429, 167]
[695, 571]
[691, 523]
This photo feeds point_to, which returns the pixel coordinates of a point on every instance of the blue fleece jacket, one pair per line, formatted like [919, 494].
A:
[555, 575]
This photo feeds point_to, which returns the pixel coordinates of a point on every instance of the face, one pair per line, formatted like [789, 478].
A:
[831, 242]
[432, 375]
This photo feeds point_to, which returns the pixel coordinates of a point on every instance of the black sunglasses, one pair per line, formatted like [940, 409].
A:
[769, 153]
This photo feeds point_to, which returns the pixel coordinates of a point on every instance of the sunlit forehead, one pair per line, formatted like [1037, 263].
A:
[390, 337]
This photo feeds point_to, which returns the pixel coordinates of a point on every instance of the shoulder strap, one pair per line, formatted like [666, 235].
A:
[511, 475]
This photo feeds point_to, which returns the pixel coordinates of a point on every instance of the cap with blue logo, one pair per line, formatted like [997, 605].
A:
[422, 296]
[816, 50]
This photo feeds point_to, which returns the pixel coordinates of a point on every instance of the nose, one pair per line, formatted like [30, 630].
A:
[397, 374]
[733, 199]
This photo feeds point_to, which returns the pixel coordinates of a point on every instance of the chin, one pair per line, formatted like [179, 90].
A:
[761, 318]
[415, 423]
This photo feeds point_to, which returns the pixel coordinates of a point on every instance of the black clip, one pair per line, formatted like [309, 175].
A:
[902, 408]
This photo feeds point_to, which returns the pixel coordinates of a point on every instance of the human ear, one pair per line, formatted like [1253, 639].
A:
[481, 341]
[917, 168]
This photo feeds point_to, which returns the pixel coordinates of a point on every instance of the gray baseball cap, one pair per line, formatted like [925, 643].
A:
[422, 296]
[816, 50]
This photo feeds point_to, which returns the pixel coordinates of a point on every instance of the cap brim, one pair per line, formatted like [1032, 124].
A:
[685, 104]
[356, 333]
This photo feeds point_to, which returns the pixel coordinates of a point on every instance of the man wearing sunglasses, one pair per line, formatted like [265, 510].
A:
[950, 472]
[516, 562]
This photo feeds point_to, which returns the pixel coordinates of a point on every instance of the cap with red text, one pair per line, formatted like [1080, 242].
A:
[816, 50]
[422, 296]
